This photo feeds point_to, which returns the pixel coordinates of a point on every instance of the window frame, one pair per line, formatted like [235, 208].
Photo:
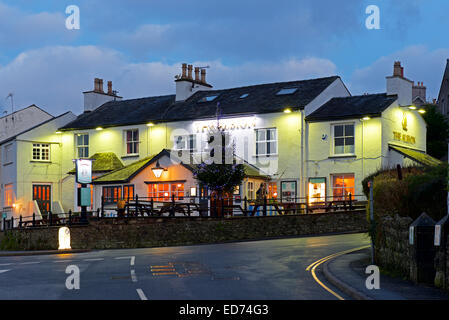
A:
[41, 147]
[266, 142]
[344, 137]
[8, 194]
[83, 146]
[8, 154]
[106, 199]
[344, 187]
[135, 142]
[189, 142]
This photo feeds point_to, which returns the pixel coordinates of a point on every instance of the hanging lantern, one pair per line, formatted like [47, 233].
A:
[157, 170]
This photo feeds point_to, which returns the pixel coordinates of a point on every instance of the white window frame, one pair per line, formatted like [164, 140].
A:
[8, 157]
[41, 147]
[256, 131]
[336, 175]
[344, 137]
[136, 143]
[84, 146]
[188, 142]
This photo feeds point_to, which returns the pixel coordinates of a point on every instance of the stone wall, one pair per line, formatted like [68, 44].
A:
[152, 232]
[392, 250]
[442, 265]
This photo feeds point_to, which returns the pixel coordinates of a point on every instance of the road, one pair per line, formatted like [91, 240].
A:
[255, 270]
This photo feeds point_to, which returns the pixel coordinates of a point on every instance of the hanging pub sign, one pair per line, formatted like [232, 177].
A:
[83, 171]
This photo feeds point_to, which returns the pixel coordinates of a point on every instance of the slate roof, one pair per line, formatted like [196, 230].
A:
[417, 156]
[126, 173]
[104, 162]
[261, 99]
[352, 107]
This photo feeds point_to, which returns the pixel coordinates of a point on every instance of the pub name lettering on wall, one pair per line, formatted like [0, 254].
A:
[226, 125]
[398, 136]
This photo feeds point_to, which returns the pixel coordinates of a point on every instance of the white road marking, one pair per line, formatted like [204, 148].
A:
[119, 258]
[33, 262]
[61, 261]
[133, 259]
[5, 264]
[94, 259]
[141, 294]
[133, 275]
[3, 271]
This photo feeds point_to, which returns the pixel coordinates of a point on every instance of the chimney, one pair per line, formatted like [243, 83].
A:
[184, 71]
[100, 85]
[400, 86]
[197, 74]
[203, 75]
[189, 76]
[97, 97]
[110, 92]
[398, 71]
[187, 86]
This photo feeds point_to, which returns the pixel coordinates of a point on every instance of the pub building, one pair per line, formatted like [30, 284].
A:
[306, 139]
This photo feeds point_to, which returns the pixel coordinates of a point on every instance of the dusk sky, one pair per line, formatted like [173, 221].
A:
[140, 45]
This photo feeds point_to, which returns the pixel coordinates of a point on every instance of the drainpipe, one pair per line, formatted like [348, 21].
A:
[301, 184]
[306, 157]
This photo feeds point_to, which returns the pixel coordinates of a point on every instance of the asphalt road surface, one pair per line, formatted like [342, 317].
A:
[256, 270]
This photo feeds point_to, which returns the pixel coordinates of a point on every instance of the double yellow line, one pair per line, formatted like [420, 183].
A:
[314, 265]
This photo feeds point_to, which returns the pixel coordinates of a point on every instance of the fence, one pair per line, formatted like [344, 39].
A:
[210, 206]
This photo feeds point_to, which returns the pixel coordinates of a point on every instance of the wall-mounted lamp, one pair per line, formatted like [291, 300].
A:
[58, 132]
[99, 128]
[287, 110]
[157, 170]
[422, 111]
[150, 124]
[366, 118]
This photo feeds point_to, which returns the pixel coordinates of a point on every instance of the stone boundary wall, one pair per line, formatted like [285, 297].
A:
[156, 232]
[392, 250]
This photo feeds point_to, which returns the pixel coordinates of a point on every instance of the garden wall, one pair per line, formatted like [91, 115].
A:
[155, 232]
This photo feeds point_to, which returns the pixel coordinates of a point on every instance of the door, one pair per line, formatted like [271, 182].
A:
[42, 195]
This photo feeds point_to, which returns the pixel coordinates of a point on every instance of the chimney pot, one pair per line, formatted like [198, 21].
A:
[203, 75]
[110, 92]
[184, 71]
[190, 68]
[100, 85]
[397, 69]
[197, 74]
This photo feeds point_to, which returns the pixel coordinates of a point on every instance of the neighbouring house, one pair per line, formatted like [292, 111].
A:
[443, 96]
[31, 169]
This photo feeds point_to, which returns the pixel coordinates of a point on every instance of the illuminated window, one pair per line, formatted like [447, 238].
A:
[164, 191]
[82, 145]
[128, 191]
[272, 190]
[342, 186]
[41, 152]
[344, 139]
[266, 142]
[111, 194]
[132, 141]
[317, 190]
[250, 190]
[9, 195]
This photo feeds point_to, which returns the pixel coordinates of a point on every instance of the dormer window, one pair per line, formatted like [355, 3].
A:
[208, 98]
[243, 96]
[286, 91]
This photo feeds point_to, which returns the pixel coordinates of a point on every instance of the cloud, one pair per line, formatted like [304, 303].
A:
[419, 62]
[55, 77]
[20, 29]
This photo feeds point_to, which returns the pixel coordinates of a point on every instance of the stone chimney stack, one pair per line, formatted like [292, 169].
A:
[97, 97]
[186, 85]
[419, 91]
[398, 85]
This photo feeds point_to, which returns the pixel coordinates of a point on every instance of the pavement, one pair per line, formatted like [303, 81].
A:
[347, 273]
[8, 253]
